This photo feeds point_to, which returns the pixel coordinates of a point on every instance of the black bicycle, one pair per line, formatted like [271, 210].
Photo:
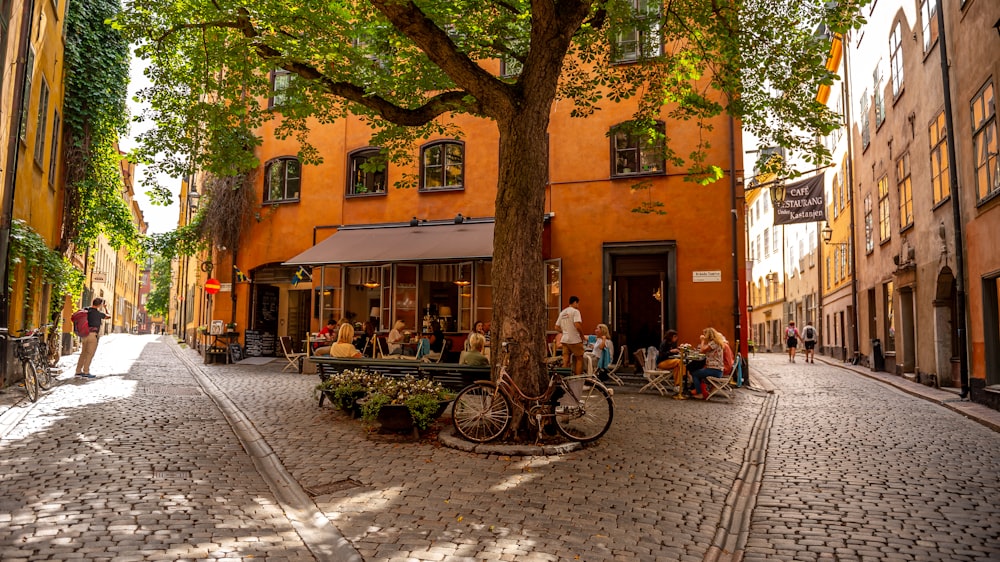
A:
[43, 367]
[25, 350]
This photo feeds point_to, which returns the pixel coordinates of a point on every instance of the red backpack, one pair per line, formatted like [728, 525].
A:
[81, 325]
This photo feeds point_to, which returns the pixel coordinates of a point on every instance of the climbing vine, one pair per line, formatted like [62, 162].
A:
[96, 116]
[28, 248]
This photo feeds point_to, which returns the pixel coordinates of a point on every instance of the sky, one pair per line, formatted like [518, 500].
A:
[158, 218]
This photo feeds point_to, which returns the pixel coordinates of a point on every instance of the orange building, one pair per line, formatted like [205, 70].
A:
[335, 240]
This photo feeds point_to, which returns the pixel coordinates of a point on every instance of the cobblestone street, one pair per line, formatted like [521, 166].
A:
[145, 463]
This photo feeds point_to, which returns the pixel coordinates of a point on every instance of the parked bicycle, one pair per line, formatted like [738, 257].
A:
[25, 350]
[482, 411]
[43, 366]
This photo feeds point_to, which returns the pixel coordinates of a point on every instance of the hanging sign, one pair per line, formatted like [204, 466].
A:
[803, 202]
[212, 286]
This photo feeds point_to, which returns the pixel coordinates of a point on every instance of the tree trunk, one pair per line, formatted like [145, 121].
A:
[518, 267]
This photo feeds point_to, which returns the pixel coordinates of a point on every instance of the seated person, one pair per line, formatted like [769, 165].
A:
[437, 339]
[475, 355]
[363, 340]
[476, 329]
[344, 348]
[327, 334]
[395, 338]
[603, 351]
[711, 345]
[668, 359]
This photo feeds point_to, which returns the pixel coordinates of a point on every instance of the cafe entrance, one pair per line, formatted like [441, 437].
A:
[640, 293]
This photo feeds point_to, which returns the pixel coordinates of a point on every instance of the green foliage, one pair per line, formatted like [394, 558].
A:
[41, 264]
[97, 76]
[158, 303]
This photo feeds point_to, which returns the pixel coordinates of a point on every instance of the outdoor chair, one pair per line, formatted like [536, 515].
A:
[612, 371]
[432, 357]
[722, 385]
[656, 377]
[294, 358]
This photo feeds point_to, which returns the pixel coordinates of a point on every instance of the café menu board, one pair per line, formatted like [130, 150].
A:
[258, 344]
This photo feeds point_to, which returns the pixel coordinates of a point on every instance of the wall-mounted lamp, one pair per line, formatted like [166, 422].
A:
[827, 234]
[778, 192]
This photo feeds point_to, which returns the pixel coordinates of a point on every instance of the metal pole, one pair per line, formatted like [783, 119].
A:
[956, 209]
[846, 85]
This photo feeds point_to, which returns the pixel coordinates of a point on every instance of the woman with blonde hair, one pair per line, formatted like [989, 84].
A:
[395, 338]
[603, 352]
[344, 348]
[712, 344]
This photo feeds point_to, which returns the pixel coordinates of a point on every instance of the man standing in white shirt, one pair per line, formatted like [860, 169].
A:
[570, 324]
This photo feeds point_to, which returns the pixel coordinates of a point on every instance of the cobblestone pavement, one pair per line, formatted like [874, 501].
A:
[857, 470]
[145, 462]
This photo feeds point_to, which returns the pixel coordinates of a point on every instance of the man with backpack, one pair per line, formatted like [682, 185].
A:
[809, 339]
[95, 315]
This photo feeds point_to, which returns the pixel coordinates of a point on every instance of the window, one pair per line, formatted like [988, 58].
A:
[843, 179]
[367, 172]
[54, 149]
[905, 188]
[281, 79]
[940, 180]
[774, 241]
[928, 11]
[26, 95]
[282, 179]
[43, 116]
[5, 6]
[879, 102]
[883, 209]
[767, 242]
[984, 141]
[761, 249]
[638, 151]
[836, 196]
[642, 38]
[896, 59]
[442, 166]
[828, 272]
[865, 132]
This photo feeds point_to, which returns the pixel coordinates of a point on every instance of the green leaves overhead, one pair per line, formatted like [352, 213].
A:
[403, 66]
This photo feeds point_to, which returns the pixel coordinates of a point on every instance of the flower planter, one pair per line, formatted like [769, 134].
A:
[396, 417]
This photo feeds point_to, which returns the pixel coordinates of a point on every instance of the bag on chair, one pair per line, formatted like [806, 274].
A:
[81, 326]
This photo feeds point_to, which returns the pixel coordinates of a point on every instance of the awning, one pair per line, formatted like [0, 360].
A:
[401, 244]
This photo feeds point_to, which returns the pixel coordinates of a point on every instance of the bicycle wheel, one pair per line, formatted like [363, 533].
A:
[480, 413]
[592, 419]
[44, 373]
[30, 380]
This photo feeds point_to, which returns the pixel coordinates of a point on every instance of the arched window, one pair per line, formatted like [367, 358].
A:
[442, 166]
[637, 150]
[282, 179]
[367, 171]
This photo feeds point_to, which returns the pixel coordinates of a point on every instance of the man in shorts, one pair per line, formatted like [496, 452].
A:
[809, 340]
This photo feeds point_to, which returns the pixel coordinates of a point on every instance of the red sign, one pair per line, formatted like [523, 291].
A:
[212, 286]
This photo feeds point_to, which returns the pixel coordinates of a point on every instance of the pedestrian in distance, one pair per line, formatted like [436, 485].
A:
[792, 338]
[96, 314]
[809, 341]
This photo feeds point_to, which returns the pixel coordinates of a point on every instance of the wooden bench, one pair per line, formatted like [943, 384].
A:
[451, 375]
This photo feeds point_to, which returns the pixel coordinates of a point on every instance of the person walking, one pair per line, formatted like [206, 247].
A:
[809, 341]
[96, 313]
[570, 327]
[792, 337]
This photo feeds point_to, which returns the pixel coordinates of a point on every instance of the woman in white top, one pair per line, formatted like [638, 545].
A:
[601, 344]
[395, 338]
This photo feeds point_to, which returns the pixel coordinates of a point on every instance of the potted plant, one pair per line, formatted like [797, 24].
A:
[409, 402]
[231, 327]
[345, 388]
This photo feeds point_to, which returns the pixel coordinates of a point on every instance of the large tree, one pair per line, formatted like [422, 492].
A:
[406, 66]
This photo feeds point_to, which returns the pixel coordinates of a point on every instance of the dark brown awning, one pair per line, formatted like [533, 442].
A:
[401, 244]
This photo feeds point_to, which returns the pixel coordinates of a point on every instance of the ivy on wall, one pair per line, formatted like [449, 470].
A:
[29, 249]
[97, 76]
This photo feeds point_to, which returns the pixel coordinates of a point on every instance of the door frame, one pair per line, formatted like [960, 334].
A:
[610, 250]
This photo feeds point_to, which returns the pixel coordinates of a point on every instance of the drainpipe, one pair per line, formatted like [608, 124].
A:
[846, 86]
[735, 224]
[7, 206]
[956, 208]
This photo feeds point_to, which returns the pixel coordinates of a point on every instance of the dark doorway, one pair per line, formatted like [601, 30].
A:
[298, 317]
[265, 318]
[642, 294]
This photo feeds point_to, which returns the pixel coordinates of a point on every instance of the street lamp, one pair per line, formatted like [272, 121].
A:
[827, 234]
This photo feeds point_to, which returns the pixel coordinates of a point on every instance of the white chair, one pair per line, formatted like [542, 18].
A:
[294, 358]
[656, 377]
[612, 372]
[722, 385]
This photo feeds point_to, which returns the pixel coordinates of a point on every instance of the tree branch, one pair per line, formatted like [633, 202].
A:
[455, 100]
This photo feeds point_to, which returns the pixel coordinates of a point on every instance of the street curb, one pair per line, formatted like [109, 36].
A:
[319, 534]
[448, 438]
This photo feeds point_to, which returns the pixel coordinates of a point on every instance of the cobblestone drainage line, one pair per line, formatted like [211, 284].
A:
[734, 524]
[320, 536]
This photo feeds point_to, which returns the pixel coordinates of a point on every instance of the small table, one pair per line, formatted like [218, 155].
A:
[220, 346]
